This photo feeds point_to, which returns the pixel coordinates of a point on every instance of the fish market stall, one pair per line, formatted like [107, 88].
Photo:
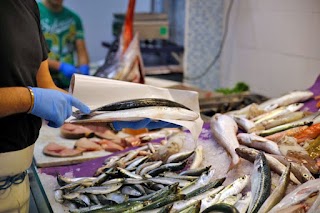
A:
[261, 158]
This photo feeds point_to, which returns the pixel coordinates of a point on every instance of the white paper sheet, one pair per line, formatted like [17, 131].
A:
[96, 92]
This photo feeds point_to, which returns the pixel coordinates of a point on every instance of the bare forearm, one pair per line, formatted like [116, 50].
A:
[83, 57]
[53, 64]
[14, 100]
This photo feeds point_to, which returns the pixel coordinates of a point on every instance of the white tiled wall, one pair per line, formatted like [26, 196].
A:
[273, 45]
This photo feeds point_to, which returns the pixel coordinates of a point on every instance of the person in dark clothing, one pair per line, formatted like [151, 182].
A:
[27, 95]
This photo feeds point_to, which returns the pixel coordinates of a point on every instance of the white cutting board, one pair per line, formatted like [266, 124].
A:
[47, 135]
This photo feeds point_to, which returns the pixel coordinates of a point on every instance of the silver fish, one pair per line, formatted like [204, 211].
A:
[234, 188]
[287, 99]
[161, 112]
[260, 183]
[278, 193]
[258, 142]
[224, 130]
[277, 112]
[198, 158]
[250, 155]
[244, 123]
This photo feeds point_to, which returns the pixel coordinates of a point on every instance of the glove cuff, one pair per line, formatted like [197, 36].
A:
[32, 100]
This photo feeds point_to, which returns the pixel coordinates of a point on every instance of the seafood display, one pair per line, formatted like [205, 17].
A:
[278, 139]
[152, 178]
[276, 136]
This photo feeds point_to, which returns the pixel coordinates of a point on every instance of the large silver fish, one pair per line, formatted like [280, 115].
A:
[278, 192]
[289, 98]
[153, 112]
[258, 142]
[224, 130]
[260, 183]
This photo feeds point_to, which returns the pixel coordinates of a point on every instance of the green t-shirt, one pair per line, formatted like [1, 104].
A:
[61, 30]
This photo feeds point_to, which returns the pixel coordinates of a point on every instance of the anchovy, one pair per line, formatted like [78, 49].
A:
[203, 180]
[260, 183]
[101, 189]
[180, 156]
[168, 167]
[198, 158]
[180, 205]
[130, 104]
[214, 184]
[234, 188]
[176, 176]
[195, 172]
[278, 193]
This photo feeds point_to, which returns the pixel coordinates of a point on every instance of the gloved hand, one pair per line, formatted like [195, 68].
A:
[145, 123]
[84, 69]
[55, 106]
[67, 69]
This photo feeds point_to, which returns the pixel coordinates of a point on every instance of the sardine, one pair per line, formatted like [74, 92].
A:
[101, 189]
[203, 180]
[195, 172]
[180, 205]
[258, 142]
[224, 130]
[278, 193]
[180, 156]
[260, 182]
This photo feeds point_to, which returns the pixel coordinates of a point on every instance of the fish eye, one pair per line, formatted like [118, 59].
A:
[305, 175]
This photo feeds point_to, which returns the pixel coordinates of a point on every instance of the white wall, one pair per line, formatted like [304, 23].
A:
[97, 16]
[273, 45]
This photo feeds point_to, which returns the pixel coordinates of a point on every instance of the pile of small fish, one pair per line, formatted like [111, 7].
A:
[153, 178]
[276, 136]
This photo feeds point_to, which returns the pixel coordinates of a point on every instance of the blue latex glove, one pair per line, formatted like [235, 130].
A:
[55, 106]
[67, 69]
[145, 123]
[84, 69]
